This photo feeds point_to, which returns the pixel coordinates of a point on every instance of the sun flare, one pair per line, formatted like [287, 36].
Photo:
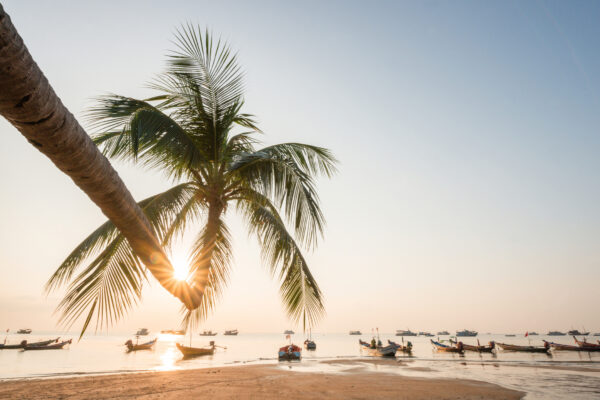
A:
[182, 270]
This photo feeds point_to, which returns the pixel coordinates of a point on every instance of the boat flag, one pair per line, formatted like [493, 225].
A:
[526, 333]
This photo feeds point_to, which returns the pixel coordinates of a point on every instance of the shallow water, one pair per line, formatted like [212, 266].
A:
[521, 371]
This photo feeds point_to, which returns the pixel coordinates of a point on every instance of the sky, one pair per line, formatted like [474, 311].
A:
[467, 133]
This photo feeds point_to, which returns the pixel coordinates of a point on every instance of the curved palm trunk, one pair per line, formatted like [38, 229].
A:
[29, 103]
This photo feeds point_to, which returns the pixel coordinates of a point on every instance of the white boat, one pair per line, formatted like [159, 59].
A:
[407, 332]
[232, 332]
[24, 331]
[142, 332]
[466, 333]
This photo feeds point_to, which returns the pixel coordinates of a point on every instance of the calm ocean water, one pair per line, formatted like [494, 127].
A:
[522, 371]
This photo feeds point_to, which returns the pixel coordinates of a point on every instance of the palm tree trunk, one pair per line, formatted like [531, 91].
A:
[29, 103]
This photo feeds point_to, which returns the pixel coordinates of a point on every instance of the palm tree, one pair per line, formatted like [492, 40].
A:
[193, 130]
[29, 103]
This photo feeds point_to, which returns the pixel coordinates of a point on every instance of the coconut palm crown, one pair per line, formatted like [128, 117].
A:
[194, 131]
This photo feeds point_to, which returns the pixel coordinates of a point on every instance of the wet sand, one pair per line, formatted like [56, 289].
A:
[251, 382]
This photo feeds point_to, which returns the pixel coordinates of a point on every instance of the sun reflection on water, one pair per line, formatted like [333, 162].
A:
[168, 358]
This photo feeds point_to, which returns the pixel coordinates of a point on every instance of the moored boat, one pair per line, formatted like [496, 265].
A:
[556, 333]
[575, 332]
[141, 346]
[24, 331]
[426, 334]
[208, 333]
[479, 348]
[526, 349]
[585, 344]
[510, 335]
[466, 333]
[288, 332]
[56, 346]
[458, 348]
[407, 332]
[355, 333]
[290, 352]
[568, 347]
[232, 332]
[142, 332]
[405, 348]
[310, 345]
[188, 351]
[25, 343]
[532, 334]
[172, 332]
[443, 333]
[378, 350]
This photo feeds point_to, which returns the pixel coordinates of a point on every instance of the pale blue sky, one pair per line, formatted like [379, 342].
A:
[468, 136]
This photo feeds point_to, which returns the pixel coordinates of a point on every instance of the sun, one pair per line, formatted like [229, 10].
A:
[182, 269]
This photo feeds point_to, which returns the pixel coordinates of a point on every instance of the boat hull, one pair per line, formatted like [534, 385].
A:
[137, 347]
[195, 351]
[524, 349]
[447, 349]
[568, 347]
[22, 345]
[56, 346]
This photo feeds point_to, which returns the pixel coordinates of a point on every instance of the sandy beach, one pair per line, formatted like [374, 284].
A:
[250, 382]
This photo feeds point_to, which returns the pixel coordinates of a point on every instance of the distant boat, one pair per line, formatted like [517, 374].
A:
[466, 333]
[208, 333]
[526, 349]
[378, 350]
[56, 346]
[408, 332]
[143, 346]
[575, 332]
[532, 333]
[405, 348]
[355, 333]
[556, 333]
[172, 332]
[196, 351]
[288, 332]
[427, 334]
[458, 348]
[510, 335]
[290, 352]
[443, 333]
[309, 344]
[568, 347]
[142, 332]
[232, 332]
[597, 334]
[480, 349]
[25, 343]
[585, 344]
[24, 331]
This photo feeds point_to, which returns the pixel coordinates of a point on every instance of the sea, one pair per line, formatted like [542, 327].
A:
[562, 374]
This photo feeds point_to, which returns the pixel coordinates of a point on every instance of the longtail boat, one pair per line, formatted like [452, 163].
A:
[142, 346]
[56, 346]
[448, 349]
[379, 350]
[568, 347]
[196, 351]
[526, 349]
[401, 347]
[25, 343]
[585, 344]
[290, 352]
[480, 349]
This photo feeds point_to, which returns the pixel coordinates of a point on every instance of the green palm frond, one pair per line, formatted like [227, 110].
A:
[210, 266]
[211, 65]
[300, 293]
[286, 174]
[111, 283]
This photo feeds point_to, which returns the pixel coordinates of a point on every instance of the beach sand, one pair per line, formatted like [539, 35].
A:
[252, 382]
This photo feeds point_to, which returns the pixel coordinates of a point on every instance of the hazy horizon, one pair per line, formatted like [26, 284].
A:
[467, 134]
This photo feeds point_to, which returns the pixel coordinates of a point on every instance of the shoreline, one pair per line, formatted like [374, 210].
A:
[268, 381]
